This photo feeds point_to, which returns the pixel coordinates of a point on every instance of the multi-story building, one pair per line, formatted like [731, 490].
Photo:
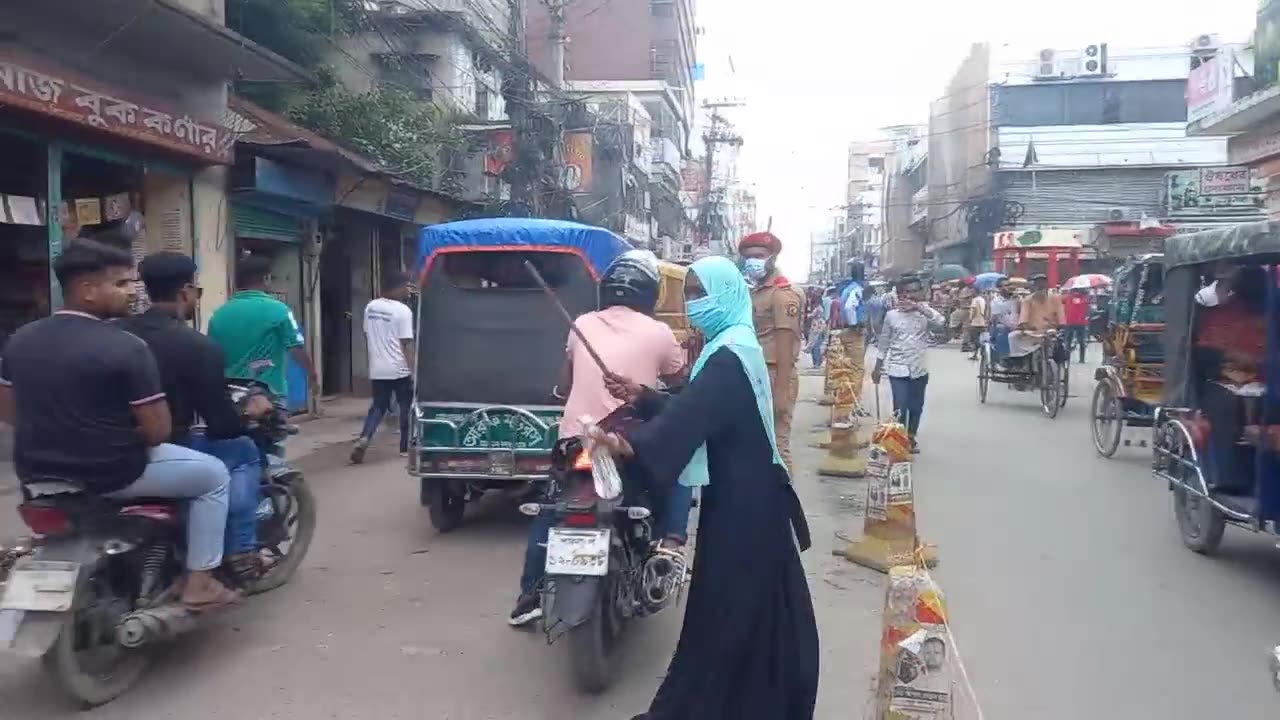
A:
[1244, 111]
[448, 52]
[906, 204]
[1088, 147]
[864, 199]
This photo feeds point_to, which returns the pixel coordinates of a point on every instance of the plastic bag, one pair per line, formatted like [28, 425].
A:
[604, 471]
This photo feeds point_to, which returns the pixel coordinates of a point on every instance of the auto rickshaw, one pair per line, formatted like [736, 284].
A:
[491, 348]
[671, 309]
[1216, 431]
[1131, 377]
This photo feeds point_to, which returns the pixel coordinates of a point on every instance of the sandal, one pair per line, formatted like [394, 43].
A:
[222, 597]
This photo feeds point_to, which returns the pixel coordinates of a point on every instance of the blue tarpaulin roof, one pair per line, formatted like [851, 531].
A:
[597, 244]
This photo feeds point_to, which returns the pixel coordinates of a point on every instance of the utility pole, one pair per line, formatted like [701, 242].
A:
[558, 40]
[718, 133]
[517, 93]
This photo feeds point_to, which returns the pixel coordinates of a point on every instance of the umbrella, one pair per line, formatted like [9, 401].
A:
[987, 280]
[945, 273]
[1086, 282]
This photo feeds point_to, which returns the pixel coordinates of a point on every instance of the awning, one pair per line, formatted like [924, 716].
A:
[1134, 229]
[165, 33]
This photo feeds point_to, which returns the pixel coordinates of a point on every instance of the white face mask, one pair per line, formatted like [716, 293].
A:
[1208, 295]
[755, 269]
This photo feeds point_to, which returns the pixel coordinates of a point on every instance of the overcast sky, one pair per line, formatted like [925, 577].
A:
[817, 74]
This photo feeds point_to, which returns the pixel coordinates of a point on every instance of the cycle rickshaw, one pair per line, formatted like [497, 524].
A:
[1045, 370]
[1217, 432]
[1132, 372]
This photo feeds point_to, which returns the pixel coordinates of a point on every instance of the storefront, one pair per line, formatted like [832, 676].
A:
[82, 158]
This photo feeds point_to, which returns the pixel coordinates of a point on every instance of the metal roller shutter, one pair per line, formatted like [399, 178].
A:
[252, 222]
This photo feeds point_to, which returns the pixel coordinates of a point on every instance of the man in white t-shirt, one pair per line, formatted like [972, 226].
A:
[388, 328]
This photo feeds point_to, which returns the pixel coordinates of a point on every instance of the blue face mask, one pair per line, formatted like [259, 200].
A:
[705, 315]
[755, 269]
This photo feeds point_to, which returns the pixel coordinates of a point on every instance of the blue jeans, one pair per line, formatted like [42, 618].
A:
[241, 457]
[383, 391]
[673, 524]
[818, 346]
[908, 401]
[181, 473]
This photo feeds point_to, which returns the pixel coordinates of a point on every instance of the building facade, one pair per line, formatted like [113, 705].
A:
[906, 201]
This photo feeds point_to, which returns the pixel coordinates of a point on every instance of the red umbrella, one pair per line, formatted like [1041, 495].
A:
[1086, 282]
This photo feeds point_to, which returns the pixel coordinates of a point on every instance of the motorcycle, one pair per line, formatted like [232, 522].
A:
[97, 587]
[602, 570]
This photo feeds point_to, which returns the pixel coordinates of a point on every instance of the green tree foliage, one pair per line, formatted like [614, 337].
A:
[412, 139]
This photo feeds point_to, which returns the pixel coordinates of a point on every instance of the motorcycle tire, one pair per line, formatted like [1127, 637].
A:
[593, 646]
[304, 531]
[63, 661]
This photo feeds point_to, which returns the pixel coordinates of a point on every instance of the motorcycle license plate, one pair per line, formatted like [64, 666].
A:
[41, 585]
[571, 551]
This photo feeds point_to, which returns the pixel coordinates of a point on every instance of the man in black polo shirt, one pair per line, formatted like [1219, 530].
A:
[191, 372]
[87, 405]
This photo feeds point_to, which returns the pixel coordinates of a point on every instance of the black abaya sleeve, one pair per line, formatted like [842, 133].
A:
[707, 406]
[650, 403]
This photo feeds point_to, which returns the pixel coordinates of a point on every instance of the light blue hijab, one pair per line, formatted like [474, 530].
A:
[725, 322]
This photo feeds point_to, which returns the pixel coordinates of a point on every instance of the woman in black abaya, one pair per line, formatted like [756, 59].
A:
[748, 649]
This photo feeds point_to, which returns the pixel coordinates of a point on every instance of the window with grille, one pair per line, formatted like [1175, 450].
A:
[662, 55]
[411, 72]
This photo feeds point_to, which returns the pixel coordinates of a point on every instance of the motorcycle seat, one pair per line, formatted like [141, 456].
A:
[58, 491]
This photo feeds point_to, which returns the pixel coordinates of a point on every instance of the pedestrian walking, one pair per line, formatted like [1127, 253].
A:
[1075, 309]
[776, 313]
[979, 319]
[388, 329]
[904, 339]
[817, 336]
[748, 649]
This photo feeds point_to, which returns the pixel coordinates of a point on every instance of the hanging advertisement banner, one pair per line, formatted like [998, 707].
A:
[1210, 86]
[577, 161]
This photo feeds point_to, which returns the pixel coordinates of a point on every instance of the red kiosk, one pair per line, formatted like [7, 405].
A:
[1012, 249]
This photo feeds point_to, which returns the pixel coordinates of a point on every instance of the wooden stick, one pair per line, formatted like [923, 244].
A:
[542, 283]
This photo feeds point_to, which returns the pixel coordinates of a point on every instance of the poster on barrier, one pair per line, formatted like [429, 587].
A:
[923, 683]
[900, 483]
[877, 498]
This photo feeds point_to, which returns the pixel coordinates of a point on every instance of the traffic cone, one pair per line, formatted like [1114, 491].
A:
[917, 658]
[889, 528]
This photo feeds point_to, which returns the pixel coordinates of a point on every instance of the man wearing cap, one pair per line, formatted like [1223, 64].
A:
[776, 312]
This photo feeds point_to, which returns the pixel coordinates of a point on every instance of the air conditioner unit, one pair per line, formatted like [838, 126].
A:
[1093, 59]
[1119, 214]
[1048, 65]
[1206, 44]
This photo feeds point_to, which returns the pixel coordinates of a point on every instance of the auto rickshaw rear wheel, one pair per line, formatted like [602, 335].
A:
[446, 506]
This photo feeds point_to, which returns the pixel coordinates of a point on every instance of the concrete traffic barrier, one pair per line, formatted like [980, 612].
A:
[833, 359]
[889, 534]
[917, 654]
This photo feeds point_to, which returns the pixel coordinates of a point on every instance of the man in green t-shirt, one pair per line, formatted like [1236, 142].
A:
[257, 331]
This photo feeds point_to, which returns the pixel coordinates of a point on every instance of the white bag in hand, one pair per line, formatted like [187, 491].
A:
[604, 471]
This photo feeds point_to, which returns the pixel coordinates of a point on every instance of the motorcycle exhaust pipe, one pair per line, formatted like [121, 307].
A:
[151, 625]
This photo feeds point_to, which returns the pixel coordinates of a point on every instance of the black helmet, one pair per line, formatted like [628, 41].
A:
[631, 281]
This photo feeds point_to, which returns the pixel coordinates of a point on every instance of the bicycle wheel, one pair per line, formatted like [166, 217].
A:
[1050, 388]
[984, 374]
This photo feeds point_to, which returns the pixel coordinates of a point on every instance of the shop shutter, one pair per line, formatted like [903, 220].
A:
[252, 222]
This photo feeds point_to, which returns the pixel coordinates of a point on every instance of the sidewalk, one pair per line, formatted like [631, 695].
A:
[338, 422]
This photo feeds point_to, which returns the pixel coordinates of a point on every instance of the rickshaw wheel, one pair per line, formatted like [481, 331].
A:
[984, 374]
[447, 507]
[1199, 522]
[1108, 420]
[1050, 388]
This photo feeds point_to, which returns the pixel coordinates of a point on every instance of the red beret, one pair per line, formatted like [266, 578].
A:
[766, 240]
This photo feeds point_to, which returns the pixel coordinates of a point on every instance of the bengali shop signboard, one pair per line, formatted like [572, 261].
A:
[33, 85]
[1210, 86]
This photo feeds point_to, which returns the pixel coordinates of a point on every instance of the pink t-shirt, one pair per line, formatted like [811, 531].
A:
[632, 345]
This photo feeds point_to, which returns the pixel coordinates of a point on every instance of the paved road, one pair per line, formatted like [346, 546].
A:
[389, 621]
[1071, 594]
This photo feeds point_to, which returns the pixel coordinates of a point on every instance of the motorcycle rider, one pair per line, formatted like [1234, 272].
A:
[190, 367]
[87, 404]
[631, 343]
